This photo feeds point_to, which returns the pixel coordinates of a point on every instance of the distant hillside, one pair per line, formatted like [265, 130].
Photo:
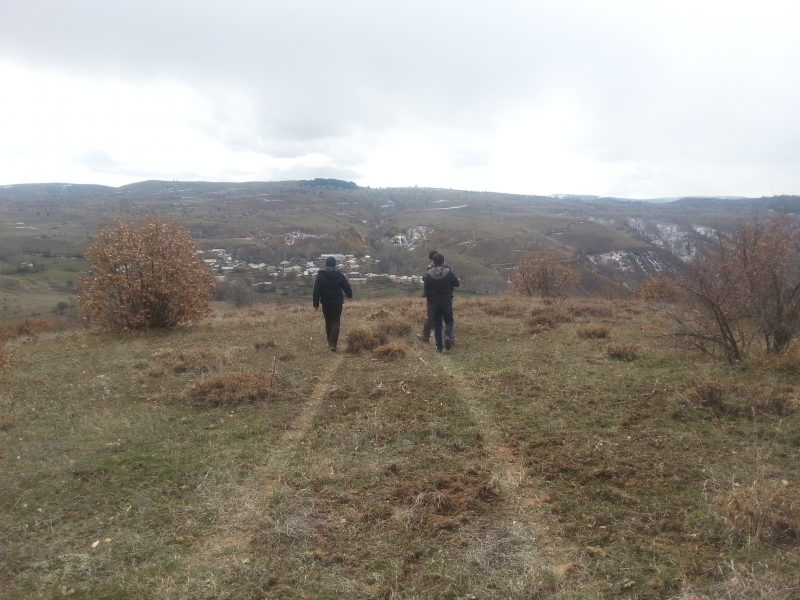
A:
[615, 243]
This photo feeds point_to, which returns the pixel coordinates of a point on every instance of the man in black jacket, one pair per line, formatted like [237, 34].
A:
[330, 288]
[439, 283]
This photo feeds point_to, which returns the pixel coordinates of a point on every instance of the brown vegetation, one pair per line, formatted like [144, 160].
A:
[363, 338]
[768, 511]
[543, 276]
[622, 352]
[231, 389]
[391, 351]
[145, 277]
[595, 333]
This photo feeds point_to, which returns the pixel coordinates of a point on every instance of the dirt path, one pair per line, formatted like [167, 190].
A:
[524, 490]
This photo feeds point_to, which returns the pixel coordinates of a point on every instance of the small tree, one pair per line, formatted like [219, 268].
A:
[544, 276]
[145, 277]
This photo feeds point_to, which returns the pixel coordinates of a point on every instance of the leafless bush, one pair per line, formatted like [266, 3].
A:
[544, 276]
[362, 338]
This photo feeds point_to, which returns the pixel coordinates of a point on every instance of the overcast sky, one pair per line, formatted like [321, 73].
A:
[639, 98]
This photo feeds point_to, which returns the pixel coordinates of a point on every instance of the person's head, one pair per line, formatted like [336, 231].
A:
[432, 253]
[330, 262]
[438, 260]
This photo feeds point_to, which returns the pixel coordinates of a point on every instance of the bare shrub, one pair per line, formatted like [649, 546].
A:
[395, 327]
[230, 389]
[145, 277]
[261, 345]
[391, 351]
[663, 288]
[543, 276]
[766, 510]
[363, 338]
[594, 333]
[622, 352]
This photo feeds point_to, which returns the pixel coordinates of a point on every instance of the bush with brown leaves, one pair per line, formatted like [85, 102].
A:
[145, 277]
[24, 327]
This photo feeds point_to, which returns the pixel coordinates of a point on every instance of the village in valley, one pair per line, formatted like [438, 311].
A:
[359, 270]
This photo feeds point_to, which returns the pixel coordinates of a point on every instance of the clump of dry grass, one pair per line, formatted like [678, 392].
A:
[201, 360]
[721, 399]
[5, 357]
[786, 362]
[286, 356]
[594, 333]
[391, 351]
[363, 338]
[766, 510]
[240, 387]
[622, 352]
[546, 317]
[396, 327]
[504, 309]
[7, 423]
[261, 345]
[381, 314]
[590, 310]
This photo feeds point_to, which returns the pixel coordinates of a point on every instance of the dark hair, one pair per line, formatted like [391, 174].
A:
[432, 253]
[438, 260]
[330, 261]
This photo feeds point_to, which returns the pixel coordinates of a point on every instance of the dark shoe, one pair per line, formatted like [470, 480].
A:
[447, 343]
[438, 349]
[332, 348]
[422, 338]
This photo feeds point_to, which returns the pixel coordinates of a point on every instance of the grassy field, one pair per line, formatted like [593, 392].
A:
[558, 451]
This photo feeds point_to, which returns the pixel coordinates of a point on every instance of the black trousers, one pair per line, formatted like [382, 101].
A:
[333, 316]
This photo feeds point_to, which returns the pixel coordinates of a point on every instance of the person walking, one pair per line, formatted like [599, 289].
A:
[427, 323]
[330, 288]
[439, 284]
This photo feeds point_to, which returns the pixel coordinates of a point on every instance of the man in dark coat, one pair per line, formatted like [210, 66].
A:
[439, 284]
[427, 323]
[330, 288]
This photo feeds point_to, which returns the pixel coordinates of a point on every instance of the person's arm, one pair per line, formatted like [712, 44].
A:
[454, 280]
[315, 295]
[348, 291]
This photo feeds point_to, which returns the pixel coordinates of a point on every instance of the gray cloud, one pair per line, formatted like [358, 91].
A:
[659, 84]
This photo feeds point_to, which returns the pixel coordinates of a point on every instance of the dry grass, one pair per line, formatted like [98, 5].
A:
[768, 511]
[721, 398]
[263, 344]
[26, 327]
[363, 338]
[198, 360]
[381, 314]
[543, 318]
[391, 351]
[593, 333]
[232, 389]
[622, 352]
[6, 423]
[396, 327]
[5, 357]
